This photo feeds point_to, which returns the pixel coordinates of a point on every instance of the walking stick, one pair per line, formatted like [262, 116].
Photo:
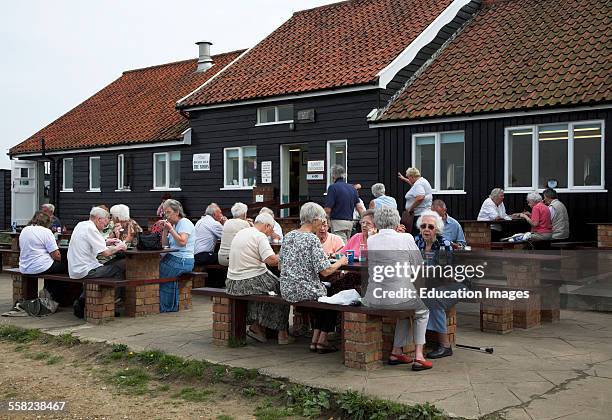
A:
[485, 349]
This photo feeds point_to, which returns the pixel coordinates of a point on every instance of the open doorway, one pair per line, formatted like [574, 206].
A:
[294, 187]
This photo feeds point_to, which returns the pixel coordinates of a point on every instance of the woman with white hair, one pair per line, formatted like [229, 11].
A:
[248, 274]
[387, 249]
[380, 199]
[277, 235]
[418, 198]
[539, 219]
[302, 260]
[432, 244]
[125, 228]
[230, 229]
[178, 233]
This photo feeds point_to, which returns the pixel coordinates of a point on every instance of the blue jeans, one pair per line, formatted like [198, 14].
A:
[172, 266]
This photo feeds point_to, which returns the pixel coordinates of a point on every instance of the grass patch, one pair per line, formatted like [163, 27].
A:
[18, 335]
[53, 360]
[132, 381]
[67, 340]
[271, 412]
[224, 417]
[192, 394]
[38, 356]
[360, 407]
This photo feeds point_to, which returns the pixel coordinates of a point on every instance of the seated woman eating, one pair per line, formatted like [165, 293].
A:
[330, 242]
[396, 291]
[432, 245]
[124, 228]
[248, 274]
[302, 259]
[539, 219]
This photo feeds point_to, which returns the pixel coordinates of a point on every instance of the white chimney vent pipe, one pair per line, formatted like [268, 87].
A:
[205, 61]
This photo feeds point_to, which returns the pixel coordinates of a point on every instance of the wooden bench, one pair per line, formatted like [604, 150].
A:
[141, 296]
[367, 333]
[9, 257]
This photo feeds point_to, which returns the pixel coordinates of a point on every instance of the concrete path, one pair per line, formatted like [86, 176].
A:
[561, 370]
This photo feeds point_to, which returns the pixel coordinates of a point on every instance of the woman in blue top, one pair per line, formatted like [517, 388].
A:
[432, 246]
[178, 233]
[380, 199]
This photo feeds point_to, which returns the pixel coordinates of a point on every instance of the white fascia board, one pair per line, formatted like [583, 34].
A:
[489, 116]
[106, 149]
[178, 103]
[429, 34]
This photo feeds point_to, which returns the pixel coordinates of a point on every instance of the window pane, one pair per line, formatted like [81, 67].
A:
[175, 170]
[520, 143]
[425, 157]
[160, 170]
[285, 113]
[67, 174]
[267, 114]
[120, 172]
[94, 174]
[451, 161]
[587, 154]
[231, 167]
[552, 143]
[249, 168]
[337, 154]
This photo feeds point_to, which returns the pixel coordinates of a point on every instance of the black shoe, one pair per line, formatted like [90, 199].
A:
[440, 352]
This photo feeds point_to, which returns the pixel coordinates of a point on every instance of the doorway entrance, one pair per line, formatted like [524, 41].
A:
[294, 187]
[30, 188]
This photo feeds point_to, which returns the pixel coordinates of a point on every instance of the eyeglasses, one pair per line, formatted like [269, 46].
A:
[426, 226]
[365, 222]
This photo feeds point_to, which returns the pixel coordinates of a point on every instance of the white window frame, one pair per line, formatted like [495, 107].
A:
[437, 143]
[276, 116]
[121, 174]
[64, 189]
[227, 186]
[535, 153]
[92, 158]
[328, 161]
[167, 169]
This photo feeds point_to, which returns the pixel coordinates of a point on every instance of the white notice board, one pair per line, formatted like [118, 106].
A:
[201, 162]
[266, 172]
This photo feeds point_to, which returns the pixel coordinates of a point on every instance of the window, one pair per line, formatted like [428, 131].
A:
[123, 171]
[441, 159]
[240, 167]
[167, 170]
[67, 175]
[94, 173]
[275, 114]
[336, 155]
[568, 155]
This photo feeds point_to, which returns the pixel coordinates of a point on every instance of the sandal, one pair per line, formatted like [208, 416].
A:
[419, 365]
[399, 359]
[256, 337]
[326, 348]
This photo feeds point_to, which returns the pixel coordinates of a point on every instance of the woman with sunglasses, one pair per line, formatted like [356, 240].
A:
[432, 245]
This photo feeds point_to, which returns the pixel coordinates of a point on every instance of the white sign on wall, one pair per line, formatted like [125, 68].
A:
[314, 177]
[201, 162]
[316, 166]
[266, 172]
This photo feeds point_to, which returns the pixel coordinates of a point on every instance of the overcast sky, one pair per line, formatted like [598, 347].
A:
[55, 54]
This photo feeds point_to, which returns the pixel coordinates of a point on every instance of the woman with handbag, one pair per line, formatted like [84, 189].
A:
[178, 233]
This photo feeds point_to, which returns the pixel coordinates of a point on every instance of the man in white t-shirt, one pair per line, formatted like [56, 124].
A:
[87, 242]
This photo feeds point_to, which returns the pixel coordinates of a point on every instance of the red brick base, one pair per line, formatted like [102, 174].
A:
[222, 321]
[363, 341]
[99, 303]
[496, 316]
[550, 306]
[24, 287]
[142, 300]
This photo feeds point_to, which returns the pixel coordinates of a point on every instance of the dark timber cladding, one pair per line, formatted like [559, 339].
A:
[484, 166]
[5, 196]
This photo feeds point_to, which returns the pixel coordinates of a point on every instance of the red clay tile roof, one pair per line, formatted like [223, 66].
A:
[339, 45]
[516, 55]
[138, 107]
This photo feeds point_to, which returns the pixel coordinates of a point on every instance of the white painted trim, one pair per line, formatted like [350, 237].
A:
[165, 189]
[274, 123]
[213, 77]
[437, 135]
[406, 57]
[64, 189]
[240, 149]
[186, 135]
[107, 149]
[167, 169]
[328, 165]
[489, 116]
[120, 171]
[93, 191]
[124, 190]
[448, 192]
[235, 188]
[285, 97]
[559, 190]
[535, 166]
[92, 158]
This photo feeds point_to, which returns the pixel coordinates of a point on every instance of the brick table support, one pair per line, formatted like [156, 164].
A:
[522, 276]
[451, 327]
[550, 304]
[527, 311]
[477, 234]
[363, 341]
[229, 321]
[496, 316]
[604, 235]
[99, 304]
[24, 287]
[185, 284]
[142, 300]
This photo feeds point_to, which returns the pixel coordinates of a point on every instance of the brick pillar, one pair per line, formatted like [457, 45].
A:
[142, 266]
[521, 275]
[527, 311]
[451, 328]
[477, 234]
[388, 334]
[604, 236]
[550, 305]
[99, 303]
[24, 287]
[142, 300]
[199, 280]
[185, 284]
[222, 320]
[363, 341]
[496, 316]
